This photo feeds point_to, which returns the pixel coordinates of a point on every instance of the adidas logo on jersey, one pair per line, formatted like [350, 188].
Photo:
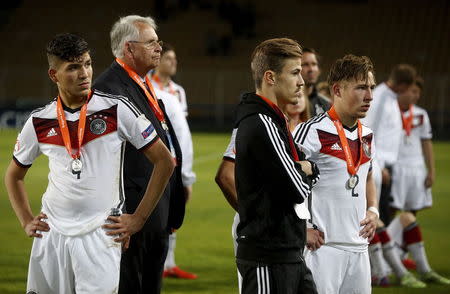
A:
[52, 133]
[336, 146]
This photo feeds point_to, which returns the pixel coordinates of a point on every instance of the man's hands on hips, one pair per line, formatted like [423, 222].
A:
[124, 226]
[369, 225]
[37, 224]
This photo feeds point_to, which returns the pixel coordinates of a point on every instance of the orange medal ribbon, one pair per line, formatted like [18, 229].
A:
[65, 129]
[352, 168]
[407, 121]
[280, 113]
[156, 78]
[151, 96]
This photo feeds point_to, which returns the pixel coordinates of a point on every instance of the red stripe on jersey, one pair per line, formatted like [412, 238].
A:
[417, 121]
[331, 145]
[98, 124]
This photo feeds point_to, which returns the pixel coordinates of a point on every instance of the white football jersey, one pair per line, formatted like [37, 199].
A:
[336, 210]
[175, 90]
[181, 128]
[230, 152]
[410, 152]
[384, 119]
[79, 205]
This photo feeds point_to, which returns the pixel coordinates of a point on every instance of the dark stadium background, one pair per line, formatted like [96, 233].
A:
[214, 39]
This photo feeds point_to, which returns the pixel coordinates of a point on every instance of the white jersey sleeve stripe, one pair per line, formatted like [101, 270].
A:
[284, 157]
[280, 145]
[124, 99]
[303, 129]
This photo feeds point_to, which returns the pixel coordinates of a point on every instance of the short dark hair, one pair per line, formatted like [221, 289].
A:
[312, 51]
[271, 55]
[67, 47]
[419, 82]
[403, 74]
[166, 47]
[350, 67]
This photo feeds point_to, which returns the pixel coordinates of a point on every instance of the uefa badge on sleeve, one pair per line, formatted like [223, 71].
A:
[148, 131]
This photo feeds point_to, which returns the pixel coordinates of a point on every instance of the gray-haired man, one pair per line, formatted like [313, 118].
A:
[137, 49]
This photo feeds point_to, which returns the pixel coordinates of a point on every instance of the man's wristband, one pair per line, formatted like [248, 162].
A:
[374, 210]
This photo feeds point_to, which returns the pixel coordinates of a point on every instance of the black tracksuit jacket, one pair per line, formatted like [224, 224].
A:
[269, 183]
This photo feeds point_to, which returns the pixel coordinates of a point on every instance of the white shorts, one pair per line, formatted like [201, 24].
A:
[408, 188]
[337, 271]
[88, 263]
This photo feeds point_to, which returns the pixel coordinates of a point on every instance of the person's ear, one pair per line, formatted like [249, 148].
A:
[269, 77]
[52, 75]
[336, 90]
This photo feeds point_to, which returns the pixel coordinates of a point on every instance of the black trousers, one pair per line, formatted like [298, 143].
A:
[284, 278]
[142, 264]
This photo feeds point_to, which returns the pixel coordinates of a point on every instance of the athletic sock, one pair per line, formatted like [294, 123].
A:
[390, 254]
[376, 257]
[170, 259]
[414, 243]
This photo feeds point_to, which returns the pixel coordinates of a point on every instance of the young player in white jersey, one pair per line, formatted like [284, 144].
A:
[414, 175]
[343, 149]
[174, 99]
[384, 119]
[414, 170]
[83, 134]
[161, 78]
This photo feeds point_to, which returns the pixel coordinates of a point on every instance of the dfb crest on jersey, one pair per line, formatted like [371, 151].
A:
[97, 126]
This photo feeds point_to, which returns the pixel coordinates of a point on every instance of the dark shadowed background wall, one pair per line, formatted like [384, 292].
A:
[214, 40]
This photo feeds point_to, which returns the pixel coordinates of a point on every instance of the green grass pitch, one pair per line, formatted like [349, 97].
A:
[204, 244]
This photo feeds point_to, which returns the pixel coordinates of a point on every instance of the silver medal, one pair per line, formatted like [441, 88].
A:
[352, 182]
[77, 165]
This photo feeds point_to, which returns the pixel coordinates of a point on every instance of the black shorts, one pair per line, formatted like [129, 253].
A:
[284, 278]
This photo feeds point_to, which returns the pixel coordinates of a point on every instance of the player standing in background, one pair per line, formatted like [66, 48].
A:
[414, 170]
[341, 208]
[161, 78]
[83, 133]
[310, 74]
[384, 119]
[172, 95]
[414, 175]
